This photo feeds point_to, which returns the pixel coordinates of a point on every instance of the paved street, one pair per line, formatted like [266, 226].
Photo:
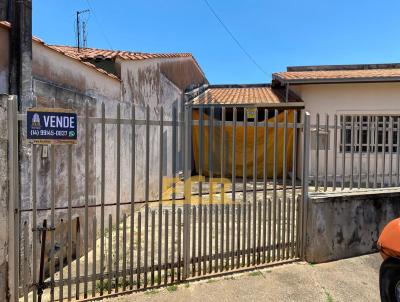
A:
[354, 279]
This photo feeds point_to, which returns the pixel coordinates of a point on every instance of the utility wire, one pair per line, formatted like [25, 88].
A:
[234, 38]
[100, 26]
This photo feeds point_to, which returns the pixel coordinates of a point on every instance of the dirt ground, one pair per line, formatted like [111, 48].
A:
[354, 279]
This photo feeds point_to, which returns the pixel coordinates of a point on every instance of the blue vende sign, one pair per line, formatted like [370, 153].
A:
[52, 126]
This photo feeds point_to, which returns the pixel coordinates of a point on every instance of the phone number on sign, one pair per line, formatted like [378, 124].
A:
[50, 132]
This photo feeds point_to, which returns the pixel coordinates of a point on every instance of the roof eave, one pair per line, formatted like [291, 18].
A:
[297, 105]
[89, 65]
[336, 81]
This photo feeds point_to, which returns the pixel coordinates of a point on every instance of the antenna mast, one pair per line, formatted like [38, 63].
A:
[84, 33]
[78, 29]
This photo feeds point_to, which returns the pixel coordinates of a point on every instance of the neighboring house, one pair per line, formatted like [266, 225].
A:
[354, 93]
[64, 77]
[62, 81]
[146, 79]
[268, 100]
[367, 93]
[344, 88]
[53, 68]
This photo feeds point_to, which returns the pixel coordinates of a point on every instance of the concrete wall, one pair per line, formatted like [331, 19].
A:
[142, 78]
[348, 225]
[63, 82]
[144, 84]
[348, 98]
[183, 72]
[3, 198]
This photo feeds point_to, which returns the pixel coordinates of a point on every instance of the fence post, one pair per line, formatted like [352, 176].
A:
[187, 191]
[182, 124]
[305, 182]
[4, 197]
[13, 201]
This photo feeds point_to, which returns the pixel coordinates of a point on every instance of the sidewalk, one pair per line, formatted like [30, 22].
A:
[354, 279]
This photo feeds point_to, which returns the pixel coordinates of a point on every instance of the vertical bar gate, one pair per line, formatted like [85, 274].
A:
[113, 214]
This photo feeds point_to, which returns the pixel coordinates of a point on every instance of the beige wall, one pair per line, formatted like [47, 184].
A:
[349, 98]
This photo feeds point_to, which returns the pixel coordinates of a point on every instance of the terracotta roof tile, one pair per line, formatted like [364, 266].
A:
[83, 62]
[93, 53]
[338, 75]
[7, 25]
[242, 95]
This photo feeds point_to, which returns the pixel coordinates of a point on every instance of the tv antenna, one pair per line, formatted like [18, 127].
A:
[81, 41]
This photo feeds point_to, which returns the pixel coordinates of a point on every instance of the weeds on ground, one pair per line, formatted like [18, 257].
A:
[256, 274]
[106, 285]
[151, 292]
[328, 296]
[211, 281]
[172, 288]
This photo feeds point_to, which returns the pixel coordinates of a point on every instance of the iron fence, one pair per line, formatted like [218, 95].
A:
[85, 233]
[353, 151]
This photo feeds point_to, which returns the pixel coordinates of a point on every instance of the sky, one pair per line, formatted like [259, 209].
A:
[275, 34]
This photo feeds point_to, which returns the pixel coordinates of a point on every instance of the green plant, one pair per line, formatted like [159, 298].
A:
[105, 285]
[328, 296]
[172, 288]
[256, 274]
[151, 292]
[211, 281]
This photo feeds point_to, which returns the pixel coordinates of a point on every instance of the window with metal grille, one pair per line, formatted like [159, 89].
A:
[371, 133]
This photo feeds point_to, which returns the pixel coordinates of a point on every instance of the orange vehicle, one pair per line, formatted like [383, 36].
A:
[389, 275]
